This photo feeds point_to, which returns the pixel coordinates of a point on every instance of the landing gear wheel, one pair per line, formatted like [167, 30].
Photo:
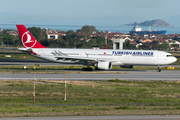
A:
[96, 68]
[87, 69]
[159, 69]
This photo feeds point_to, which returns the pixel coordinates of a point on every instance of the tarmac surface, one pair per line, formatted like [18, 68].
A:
[129, 75]
[137, 117]
[22, 62]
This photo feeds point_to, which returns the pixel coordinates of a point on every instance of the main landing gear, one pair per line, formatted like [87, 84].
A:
[159, 69]
[88, 68]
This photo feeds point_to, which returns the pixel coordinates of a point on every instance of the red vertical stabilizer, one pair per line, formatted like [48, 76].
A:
[27, 39]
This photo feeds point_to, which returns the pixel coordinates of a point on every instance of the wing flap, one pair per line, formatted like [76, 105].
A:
[85, 59]
[76, 58]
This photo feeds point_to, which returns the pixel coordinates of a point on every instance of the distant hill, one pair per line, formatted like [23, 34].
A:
[152, 23]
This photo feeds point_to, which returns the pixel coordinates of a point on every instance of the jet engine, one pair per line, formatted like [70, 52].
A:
[126, 66]
[103, 65]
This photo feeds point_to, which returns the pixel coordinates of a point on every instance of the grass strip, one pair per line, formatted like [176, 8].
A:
[113, 97]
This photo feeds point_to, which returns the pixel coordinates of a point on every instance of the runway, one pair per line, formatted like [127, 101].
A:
[131, 75]
[135, 117]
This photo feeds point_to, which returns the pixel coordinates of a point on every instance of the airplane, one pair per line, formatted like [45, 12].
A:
[102, 59]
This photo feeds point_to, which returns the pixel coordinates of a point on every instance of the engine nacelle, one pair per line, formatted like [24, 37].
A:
[103, 65]
[126, 66]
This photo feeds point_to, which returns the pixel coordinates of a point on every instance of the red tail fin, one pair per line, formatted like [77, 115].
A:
[27, 39]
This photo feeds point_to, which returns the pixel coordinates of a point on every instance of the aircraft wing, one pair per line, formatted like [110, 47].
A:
[77, 58]
[85, 59]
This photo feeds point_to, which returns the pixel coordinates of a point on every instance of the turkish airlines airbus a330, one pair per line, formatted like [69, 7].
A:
[100, 58]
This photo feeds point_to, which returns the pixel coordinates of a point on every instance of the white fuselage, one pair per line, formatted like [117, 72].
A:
[116, 57]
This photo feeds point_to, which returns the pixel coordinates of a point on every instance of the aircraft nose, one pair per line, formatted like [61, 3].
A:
[174, 59]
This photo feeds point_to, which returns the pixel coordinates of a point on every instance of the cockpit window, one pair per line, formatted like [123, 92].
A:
[169, 55]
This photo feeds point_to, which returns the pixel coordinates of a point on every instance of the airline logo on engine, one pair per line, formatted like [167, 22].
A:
[133, 53]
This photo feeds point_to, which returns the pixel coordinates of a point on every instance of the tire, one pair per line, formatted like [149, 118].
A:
[87, 69]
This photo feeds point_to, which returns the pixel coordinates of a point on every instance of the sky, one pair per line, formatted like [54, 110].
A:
[92, 11]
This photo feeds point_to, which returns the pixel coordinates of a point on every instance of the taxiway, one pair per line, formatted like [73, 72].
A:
[135, 117]
[130, 75]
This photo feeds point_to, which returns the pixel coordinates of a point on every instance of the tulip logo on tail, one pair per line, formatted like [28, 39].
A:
[28, 40]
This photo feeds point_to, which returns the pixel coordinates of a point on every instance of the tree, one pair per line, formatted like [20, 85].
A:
[88, 36]
[92, 43]
[88, 29]
[74, 35]
[45, 42]
[155, 45]
[164, 46]
[126, 44]
[174, 45]
[42, 37]
[17, 43]
[35, 31]
[101, 41]
[69, 32]
[110, 44]
[146, 46]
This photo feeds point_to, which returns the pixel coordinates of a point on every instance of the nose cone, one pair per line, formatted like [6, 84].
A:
[174, 59]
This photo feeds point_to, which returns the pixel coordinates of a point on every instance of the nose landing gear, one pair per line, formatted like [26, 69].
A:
[159, 69]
